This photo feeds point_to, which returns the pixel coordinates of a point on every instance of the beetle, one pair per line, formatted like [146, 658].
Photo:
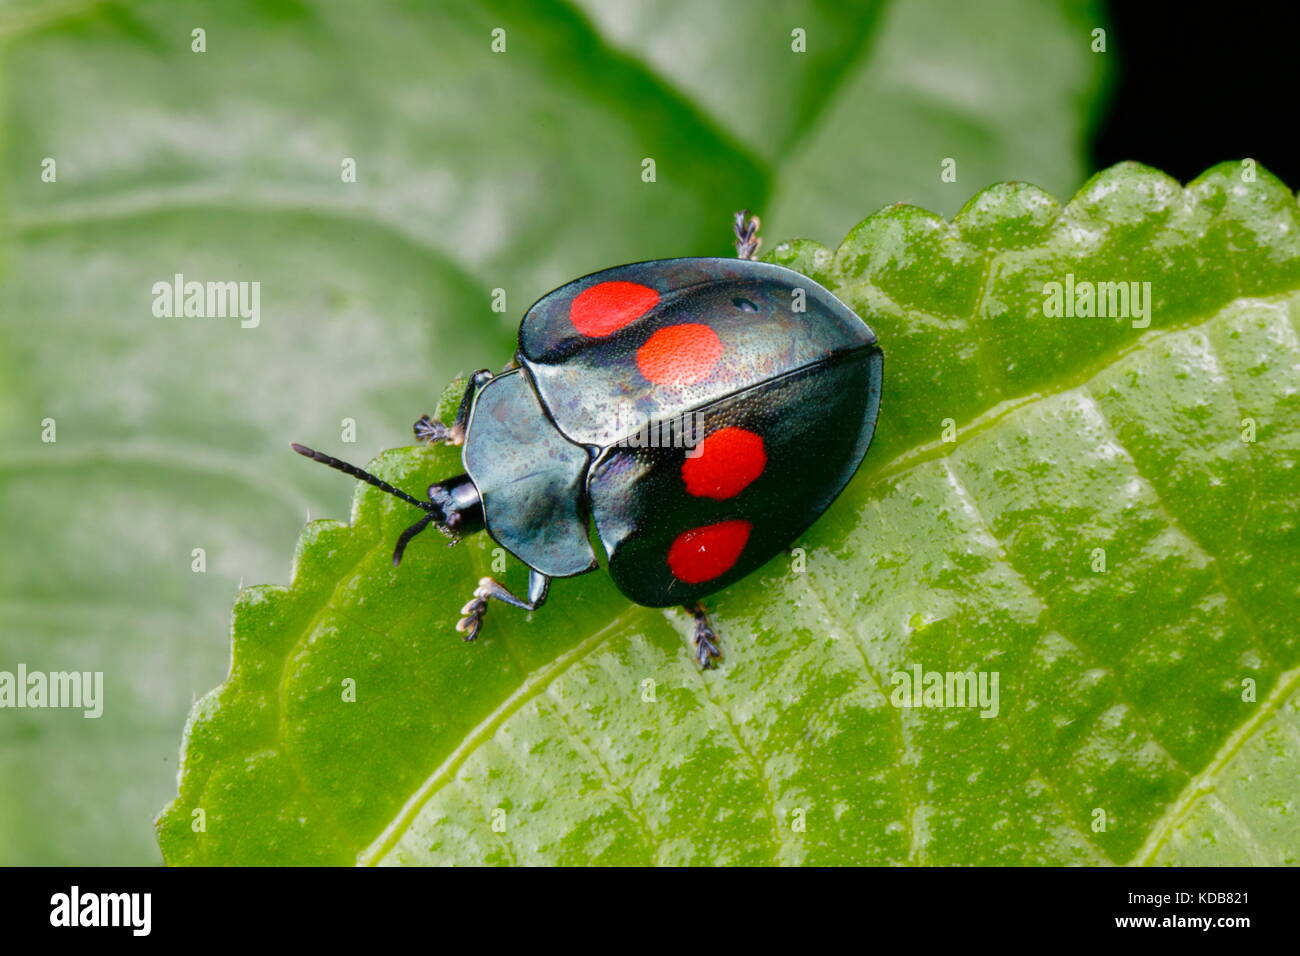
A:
[700, 412]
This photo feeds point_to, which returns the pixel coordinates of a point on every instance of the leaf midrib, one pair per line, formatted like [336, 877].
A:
[1206, 782]
[528, 689]
[929, 451]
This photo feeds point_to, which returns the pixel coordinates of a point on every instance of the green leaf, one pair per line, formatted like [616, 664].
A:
[475, 172]
[1098, 532]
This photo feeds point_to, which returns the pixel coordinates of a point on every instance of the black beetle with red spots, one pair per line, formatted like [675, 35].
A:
[699, 413]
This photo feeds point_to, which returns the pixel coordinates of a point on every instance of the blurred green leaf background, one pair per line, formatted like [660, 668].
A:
[475, 171]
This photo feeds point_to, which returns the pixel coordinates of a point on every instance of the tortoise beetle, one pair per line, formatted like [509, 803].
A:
[764, 384]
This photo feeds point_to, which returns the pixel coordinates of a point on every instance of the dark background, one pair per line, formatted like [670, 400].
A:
[1197, 85]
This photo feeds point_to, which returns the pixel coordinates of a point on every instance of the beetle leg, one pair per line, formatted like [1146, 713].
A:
[706, 639]
[473, 611]
[746, 229]
[430, 430]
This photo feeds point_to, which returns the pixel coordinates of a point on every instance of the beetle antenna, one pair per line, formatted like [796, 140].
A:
[407, 535]
[369, 479]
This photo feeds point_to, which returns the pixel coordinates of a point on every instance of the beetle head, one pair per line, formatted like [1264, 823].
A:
[453, 507]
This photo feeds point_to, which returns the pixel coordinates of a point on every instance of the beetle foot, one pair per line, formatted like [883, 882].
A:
[433, 432]
[476, 607]
[707, 652]
[472, 613]
[472, 620]
[747, 239]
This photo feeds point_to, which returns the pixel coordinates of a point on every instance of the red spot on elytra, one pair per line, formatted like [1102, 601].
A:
[679, 354]
[607, 307]
[702, 554]
[726, 463]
